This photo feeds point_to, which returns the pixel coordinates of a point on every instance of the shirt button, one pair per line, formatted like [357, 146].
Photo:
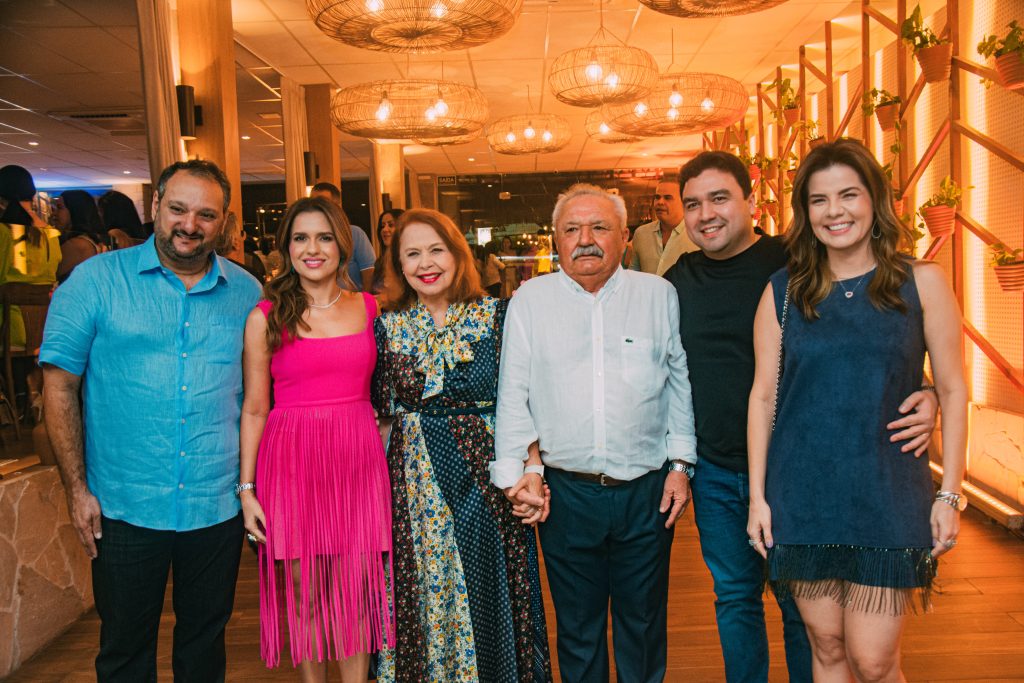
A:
[184, 355]
[182, 420]
[184, 388]
[182, 454]
[181, 486]
[187, 325]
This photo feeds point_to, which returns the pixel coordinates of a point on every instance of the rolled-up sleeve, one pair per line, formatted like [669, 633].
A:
[514, 428]
[71, 323]
[681, 439]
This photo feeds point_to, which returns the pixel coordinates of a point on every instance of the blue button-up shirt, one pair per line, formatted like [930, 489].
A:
[162, 371]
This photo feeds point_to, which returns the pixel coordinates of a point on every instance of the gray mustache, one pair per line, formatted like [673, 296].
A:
[588, 250]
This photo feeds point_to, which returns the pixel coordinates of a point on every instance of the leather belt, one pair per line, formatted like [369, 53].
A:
[601, 479]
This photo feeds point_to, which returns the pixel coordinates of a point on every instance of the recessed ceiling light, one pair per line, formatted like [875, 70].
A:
[127, 172]
[246, 137]
[33, 143]
[471, 159]
[362, 204]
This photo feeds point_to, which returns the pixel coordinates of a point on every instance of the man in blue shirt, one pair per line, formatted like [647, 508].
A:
[155, 331]
[360, 263]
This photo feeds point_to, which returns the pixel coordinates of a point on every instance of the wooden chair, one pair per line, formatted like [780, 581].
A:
[33, 300]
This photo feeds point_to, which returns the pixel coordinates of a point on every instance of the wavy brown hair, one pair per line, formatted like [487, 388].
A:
[809, 271]
[288, 299]
[398, 293]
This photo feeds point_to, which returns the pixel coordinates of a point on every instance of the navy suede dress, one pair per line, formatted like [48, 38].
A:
[850, 512]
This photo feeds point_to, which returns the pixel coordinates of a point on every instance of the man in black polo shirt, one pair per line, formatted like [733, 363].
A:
[719, 289]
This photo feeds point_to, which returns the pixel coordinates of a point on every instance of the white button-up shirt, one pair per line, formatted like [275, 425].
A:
[599, 380]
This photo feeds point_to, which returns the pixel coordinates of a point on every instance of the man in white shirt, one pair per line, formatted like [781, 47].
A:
[659, 244]
[593, 370]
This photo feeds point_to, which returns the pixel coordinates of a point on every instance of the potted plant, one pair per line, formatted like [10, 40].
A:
[939, 210]
[792, 163]
[1009, 266]
[753, 162]
[788, 111]
[934, 54]
[885, 106]
[810, 132]
[1009, 54]
[770, 207]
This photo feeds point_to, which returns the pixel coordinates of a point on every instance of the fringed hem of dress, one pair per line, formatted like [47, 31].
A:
[872, 580]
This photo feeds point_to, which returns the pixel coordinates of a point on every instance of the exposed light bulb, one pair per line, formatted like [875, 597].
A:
[510, 137]
[673, 113]
[546, 137]
[640, 109]
[438, 10]
[594, 71]
[431, 114]
[374, 5]
[604, 128]
[707, 104]
[384, 110]
[529, 132]
[441, 107]
[676, 98]
[612, 81]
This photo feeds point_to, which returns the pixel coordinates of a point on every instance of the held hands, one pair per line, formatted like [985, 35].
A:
[945, 527]
[253, 517]
[530, 498]
[759, 527]
[676, 496]
[85, 513]
[918, 422]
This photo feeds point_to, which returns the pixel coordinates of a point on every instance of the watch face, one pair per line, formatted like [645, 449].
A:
[961, 504]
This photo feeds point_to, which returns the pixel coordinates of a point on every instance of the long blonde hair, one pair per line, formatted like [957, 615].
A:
[810, 276]
[288, 299]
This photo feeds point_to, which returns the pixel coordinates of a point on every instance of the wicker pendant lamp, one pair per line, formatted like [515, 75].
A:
[709, 8]
[528, 134]
[681, 103]
[450, 140]
[598, 129]
[414, 25]
[409, 109]
[605, 70]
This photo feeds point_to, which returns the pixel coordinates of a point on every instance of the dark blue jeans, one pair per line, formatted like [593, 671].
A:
[608, 544]
[129, 577]
[720, 506]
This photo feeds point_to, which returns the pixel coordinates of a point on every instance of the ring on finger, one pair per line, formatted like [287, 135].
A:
[950, 543]
[252, 539]
[753, 543]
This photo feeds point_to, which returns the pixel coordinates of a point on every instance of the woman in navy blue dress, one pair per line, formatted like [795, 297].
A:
[849, 524]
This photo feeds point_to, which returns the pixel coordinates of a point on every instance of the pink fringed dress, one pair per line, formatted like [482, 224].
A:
[322, 480]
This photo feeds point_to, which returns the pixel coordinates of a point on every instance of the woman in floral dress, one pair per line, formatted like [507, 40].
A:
[467, 589]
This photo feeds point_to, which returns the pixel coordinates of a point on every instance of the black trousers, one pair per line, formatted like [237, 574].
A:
[129, 578]
[606, 544]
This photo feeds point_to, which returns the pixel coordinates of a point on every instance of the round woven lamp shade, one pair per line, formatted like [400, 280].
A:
[598, 129]
[449, 140]
[681, 103]
[709, 8]
[409, 109]
[414, 25]
[529, 134]
[601, 74]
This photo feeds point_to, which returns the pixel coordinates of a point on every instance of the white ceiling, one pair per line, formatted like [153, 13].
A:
[63, 55]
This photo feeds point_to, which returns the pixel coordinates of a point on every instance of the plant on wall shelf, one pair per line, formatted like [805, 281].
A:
[934, 54]
[939, 210]
[788, 110]
[884, 105]
[1009, 267]
[1009, 55]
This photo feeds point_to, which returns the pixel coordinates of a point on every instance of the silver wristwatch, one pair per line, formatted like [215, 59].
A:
[957, 501]
[247, 486]
[682, 466]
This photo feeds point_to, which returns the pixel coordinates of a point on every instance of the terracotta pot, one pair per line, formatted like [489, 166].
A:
[755, 173]
[816, 142]
[886, 115]
[791, 174]
[772, 209]
[1010, 68]
[791, 115]
[939, 219]
[1011, 276]
[897, 206]
[772, 168]
[936, 62]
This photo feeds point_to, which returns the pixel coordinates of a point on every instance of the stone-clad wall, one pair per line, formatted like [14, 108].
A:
[45, 581]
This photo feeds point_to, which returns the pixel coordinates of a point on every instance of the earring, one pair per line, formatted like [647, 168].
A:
[876, 232]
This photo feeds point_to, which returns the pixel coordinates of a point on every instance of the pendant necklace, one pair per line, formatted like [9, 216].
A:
[328, 305]
[848, 293]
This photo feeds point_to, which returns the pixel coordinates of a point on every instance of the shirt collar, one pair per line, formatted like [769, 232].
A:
[149, 262]
[608, 289]
[676, 230]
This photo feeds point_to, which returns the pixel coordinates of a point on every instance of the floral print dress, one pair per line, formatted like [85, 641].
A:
[467, 589]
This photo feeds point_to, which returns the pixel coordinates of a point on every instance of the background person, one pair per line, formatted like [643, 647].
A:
[385, 230]
[120, 219]
[315, 482]
[849, 525]
[658, 245]
[467, 588]
[82, 233]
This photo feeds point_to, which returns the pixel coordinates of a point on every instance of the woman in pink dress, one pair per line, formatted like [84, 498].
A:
[315, 491]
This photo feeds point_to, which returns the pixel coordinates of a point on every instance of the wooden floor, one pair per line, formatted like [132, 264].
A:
[976, 632]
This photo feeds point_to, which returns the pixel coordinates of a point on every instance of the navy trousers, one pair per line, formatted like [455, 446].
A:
[129, 578]
[608, 544]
